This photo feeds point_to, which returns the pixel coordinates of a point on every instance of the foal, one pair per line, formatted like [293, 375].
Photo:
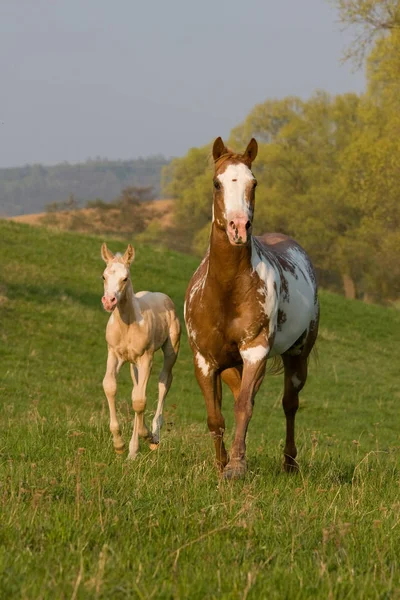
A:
[251, 298]
[139, 325]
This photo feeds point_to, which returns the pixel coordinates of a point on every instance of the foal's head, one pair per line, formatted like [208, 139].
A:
[234, 191]
[116, 275]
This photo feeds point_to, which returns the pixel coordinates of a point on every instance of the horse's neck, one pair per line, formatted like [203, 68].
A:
[128, 307]
[227, 262]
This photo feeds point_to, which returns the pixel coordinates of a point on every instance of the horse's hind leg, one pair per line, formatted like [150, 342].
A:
[140, 377]
[295, 378]
[170, 350]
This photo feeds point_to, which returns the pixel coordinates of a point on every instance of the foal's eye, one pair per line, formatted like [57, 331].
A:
[126, 279]
[255, 184]
[103, 277]
[217, 184]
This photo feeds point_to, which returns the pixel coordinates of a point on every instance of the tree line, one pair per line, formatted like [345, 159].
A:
[29, 189]
[328, 168]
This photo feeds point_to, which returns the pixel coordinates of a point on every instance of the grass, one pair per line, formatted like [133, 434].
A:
[77, 521]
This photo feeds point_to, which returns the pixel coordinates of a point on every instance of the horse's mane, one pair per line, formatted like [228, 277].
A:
[229, 155]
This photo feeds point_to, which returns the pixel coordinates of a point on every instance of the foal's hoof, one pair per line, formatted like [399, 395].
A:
[154, 446]
[235, 470]
[291, 465]
[120, 450]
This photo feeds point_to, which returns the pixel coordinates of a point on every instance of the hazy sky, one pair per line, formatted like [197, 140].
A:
[129, 78]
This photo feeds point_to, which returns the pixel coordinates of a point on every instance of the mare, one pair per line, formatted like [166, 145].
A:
[139, 325]
[251, 298]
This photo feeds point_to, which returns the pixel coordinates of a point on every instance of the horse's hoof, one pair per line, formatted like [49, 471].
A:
[153, 446]
[236, 470]
[120, 450]
[131, 457]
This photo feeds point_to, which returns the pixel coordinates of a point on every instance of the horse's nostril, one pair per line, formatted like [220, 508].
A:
[232, 224]
[248, 225]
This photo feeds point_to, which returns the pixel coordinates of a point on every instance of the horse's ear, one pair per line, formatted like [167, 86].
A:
[129, 255]
[106, 254]
[219, 148]
[251, 152]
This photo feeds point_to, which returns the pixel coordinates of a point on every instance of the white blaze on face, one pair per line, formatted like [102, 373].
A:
[235, 181]
[114, 274]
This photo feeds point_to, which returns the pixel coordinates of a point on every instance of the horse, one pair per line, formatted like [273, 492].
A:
[251, 299]
[139, 325]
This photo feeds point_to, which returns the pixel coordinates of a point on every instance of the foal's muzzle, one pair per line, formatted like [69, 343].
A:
[109, 303]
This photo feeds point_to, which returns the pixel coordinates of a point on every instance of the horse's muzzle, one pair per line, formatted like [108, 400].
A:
[238, 229]
[109, 303]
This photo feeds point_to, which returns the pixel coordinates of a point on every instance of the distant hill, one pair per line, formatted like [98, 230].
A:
[25, 190]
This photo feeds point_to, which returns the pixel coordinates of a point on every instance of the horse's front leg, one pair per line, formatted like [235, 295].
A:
[110, 390]
[254, 363]
[210, 384]
[140, 377]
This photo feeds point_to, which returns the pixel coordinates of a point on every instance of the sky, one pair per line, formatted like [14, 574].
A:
[128, 78]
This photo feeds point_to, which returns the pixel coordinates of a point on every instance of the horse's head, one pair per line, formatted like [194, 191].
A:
[115, 275]
[234, 191]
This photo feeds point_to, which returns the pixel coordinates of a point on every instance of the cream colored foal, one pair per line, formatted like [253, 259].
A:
[139, 325]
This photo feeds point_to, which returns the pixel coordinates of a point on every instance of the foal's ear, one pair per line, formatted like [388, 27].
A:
[219, 148]
[106, 254]
[251, 152]
[129, 255]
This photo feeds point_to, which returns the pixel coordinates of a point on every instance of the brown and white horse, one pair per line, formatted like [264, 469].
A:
[251, 298]
[139, 325]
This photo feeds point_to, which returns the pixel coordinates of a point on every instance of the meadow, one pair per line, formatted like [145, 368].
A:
[78, 521]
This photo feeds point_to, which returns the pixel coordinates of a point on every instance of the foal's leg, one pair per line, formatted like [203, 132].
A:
[170, 350]
[210, 384]
[253, 374]
[295, 378]
[110, 390]
[140, 375]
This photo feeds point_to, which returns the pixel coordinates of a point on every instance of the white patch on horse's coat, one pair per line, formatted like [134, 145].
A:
[299, 308]
[296, 381]
[254, 355]
[202, 364]
[234, 180]
[269, 276]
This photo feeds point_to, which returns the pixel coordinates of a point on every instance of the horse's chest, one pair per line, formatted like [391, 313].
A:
[128, 345]
[219, 327]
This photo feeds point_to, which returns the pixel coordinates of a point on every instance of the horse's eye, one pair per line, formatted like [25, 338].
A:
[103, 277]
[217, 184]
[255, 184]
[126, 279]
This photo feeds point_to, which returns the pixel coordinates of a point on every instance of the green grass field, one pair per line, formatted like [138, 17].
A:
[77, 521]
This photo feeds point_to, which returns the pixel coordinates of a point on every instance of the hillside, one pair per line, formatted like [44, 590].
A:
[76, 520]
[99, 221]
[29, 189]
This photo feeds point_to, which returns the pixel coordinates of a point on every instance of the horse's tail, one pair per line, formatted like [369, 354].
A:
[275, 365]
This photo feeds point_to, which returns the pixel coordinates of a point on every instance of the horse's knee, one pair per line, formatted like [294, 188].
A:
[216, 425]
[138, 405]
[109, 385]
